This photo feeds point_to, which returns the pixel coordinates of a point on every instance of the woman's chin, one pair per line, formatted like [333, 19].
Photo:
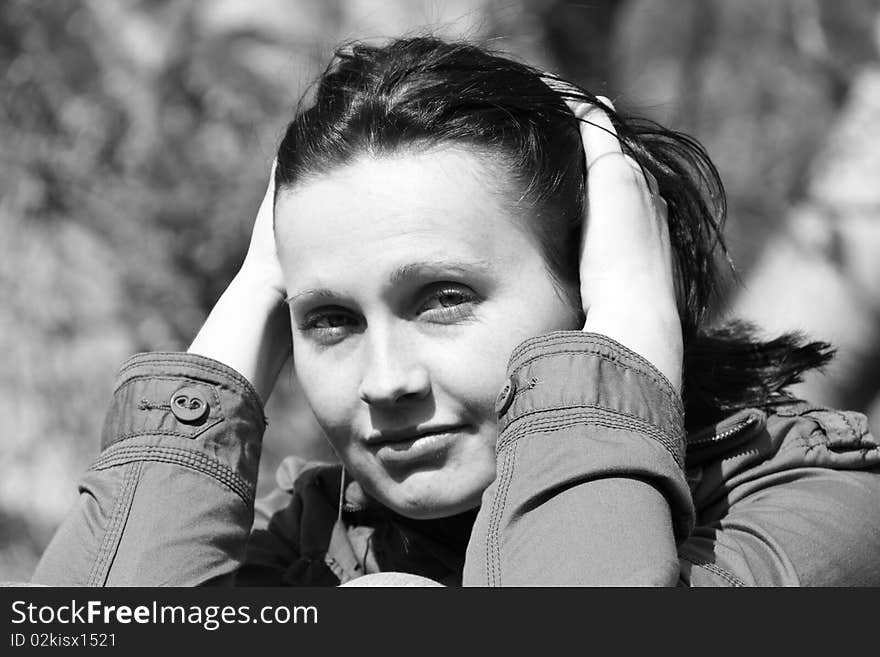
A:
[433, 511]
[432, 497]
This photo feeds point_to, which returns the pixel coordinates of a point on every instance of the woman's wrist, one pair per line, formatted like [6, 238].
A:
[249, 330]
[655, 336]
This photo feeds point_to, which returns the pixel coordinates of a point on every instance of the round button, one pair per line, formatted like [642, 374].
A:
[505, 397]
[189, 405]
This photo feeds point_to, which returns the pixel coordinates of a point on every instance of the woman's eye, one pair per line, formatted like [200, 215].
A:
[329, 325]
[445, 304]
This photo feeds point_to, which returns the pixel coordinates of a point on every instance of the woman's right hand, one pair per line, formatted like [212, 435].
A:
[249, 327]
[261, 265]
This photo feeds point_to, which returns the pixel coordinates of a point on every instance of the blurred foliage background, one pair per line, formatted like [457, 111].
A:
[137, 138]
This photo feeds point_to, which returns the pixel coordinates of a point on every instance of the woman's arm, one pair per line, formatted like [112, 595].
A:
[590, 487]
[170, 499]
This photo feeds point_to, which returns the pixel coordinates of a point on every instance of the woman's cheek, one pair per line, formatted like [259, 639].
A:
[474, 369]
[324, 388]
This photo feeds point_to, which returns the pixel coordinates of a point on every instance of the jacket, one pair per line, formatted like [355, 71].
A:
[592, 460]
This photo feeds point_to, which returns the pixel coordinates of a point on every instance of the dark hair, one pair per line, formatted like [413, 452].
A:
[427, 92]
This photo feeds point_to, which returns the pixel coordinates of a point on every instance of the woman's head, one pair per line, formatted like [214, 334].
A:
[410, 284]
[429, 208]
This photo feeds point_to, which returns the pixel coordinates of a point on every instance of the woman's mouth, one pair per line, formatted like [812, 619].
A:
[417, 445]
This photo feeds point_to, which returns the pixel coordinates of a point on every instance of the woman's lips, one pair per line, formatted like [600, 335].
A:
[423, 446]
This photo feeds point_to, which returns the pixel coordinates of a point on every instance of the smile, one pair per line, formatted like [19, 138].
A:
[405, 447]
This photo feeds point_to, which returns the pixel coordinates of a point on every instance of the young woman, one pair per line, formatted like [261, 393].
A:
[495, 290]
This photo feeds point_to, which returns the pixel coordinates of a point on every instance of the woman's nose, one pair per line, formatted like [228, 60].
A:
[393, 374]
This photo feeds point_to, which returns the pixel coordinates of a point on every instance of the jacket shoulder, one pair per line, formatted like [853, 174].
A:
[795, 434]
[785, 495]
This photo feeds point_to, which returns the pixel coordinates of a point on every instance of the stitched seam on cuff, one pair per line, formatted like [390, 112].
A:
[181, 380]
[187, 360]
[561, 412]
[176, 455]
[581, 338]
[113, 533]
[198, 430]
[621, 352]
[662, 384]
[717, 570]
[154, 432]
[598, 417]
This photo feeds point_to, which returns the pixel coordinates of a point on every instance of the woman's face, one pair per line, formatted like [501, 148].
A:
[410, 284]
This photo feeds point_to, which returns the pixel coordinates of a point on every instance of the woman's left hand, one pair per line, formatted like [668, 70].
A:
[626, 270]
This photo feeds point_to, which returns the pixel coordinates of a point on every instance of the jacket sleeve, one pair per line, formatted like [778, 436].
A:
[795, 502]
[590, 488]
[170, 499]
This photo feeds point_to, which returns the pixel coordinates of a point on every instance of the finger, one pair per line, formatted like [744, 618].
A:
[597, 132]
[601, 137]
[606, 101]
[653, 185]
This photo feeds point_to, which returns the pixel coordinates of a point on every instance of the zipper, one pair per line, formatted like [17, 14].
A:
[724, 435]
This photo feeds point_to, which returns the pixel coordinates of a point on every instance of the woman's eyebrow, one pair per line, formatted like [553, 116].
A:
[440, 267]
[320, 293]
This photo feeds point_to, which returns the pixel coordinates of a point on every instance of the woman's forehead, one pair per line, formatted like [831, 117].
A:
[429, 184]
[406, 208]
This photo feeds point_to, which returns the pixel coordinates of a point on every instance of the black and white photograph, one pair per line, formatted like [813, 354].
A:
[437, 293]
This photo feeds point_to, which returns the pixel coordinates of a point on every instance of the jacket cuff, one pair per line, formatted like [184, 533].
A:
[188, 409]
[587, 385]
